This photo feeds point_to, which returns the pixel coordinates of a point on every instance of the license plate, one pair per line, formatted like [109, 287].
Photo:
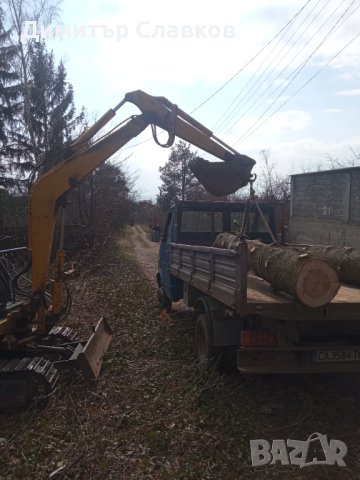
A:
[336, 356]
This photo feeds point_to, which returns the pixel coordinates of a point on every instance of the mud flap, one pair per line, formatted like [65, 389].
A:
[91, 357]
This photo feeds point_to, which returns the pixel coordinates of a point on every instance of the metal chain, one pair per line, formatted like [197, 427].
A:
[245, 221]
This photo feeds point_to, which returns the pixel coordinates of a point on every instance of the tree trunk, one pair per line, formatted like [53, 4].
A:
[345, 260]
[311, 281]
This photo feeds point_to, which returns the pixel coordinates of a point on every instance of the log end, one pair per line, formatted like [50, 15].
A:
[317, 283]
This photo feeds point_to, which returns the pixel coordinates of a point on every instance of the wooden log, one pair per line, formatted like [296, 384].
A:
[311, 281]
[345, 260]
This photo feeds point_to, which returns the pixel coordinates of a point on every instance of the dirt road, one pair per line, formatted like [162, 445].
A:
[146, 252]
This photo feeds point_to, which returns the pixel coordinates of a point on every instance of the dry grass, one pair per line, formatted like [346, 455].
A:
[153, 414]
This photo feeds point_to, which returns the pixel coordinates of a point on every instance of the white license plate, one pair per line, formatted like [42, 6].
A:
[336, 356]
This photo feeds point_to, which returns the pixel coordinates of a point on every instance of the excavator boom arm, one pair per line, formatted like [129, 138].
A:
[160, 110]
[53, 184]
[47, 190]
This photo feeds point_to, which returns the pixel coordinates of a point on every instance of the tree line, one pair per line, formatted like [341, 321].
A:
[38, 123]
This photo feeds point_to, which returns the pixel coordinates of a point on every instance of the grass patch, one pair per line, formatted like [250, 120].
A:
[153, 414]
[125, 249]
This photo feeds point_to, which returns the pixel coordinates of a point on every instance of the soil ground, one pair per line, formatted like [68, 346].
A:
[153, 413]
[146, 252]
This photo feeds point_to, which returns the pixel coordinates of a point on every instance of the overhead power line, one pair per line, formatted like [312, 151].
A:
[301, 88]
[295, 74]
[218, 90]
[292, 75]
[261, 79]
[251, 59]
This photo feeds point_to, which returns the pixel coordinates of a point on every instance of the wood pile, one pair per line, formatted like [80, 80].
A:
[311, 280]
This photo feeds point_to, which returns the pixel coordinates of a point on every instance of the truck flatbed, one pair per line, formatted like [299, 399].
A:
[223, 274]
[260, 291]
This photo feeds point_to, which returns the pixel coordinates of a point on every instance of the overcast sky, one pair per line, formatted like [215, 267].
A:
[321, 118]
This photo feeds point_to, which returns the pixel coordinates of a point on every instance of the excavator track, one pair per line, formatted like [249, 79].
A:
[25, 379]
[59, 335]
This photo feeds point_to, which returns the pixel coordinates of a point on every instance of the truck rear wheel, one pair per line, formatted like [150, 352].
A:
[224, 357]
[205, 351]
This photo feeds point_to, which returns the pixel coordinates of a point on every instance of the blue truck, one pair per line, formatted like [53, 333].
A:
[240, 320]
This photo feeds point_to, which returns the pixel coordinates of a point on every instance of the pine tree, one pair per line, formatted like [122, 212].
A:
[9, 94]
[178, 182]
[51, 107]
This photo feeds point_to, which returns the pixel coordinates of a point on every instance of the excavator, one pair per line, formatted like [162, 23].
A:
[33, 347]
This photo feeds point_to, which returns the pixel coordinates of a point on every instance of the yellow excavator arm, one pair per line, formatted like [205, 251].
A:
[88, 154]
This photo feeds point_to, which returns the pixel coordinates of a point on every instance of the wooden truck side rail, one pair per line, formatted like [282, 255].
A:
[223, 274]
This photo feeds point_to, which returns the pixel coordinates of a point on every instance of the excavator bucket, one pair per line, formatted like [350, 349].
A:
[222, 178]
[91, 357]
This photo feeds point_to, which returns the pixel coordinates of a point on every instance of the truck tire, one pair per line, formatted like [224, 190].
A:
[224, 357]
[205, 351]
[164, 300]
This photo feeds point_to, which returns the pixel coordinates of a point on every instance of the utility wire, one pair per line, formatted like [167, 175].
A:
[292, 75]
[295, 74]
[301, 88]
[251, 59]
[253, 90]
[237, 73]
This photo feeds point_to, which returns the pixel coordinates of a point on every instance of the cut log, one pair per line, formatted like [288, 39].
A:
[345, 260]
[311, 281]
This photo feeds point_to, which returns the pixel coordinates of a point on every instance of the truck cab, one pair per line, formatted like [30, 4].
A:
[198, 223]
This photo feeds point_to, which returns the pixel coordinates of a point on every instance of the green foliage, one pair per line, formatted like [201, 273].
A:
[9, 93]
[39, 122]
[51, 109]
[178, 182]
